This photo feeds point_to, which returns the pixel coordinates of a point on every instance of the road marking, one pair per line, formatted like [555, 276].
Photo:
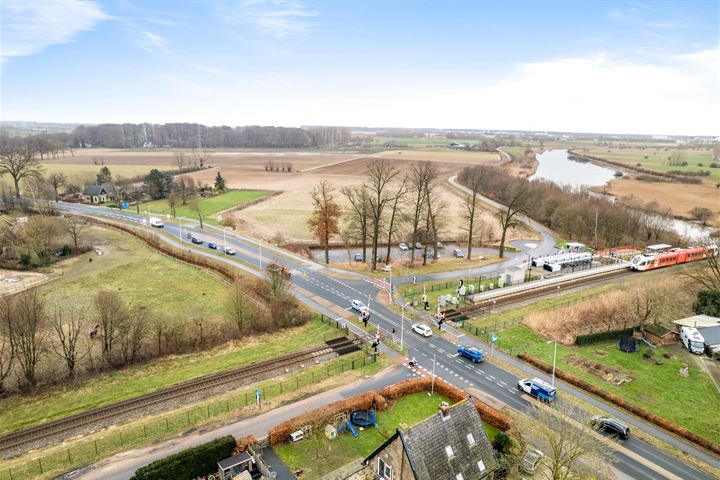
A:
[456, 355]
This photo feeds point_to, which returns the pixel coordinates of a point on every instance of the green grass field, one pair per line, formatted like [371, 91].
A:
[657, 159]
[139, 275]
[24, 411]
[422, 141]
[656, 388]
[209, 206]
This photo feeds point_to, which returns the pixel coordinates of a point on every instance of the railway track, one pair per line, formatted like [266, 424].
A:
[339, 346]
[486, 305]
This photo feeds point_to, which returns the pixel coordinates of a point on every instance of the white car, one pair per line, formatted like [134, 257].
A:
[422, 329]
[404, 246]
[359, 306]
[156, 222]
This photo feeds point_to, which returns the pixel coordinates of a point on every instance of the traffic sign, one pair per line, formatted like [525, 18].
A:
[124, 205]
[494, 338]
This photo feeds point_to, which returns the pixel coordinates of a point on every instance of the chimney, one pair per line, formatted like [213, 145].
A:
[444, 408]
[404, 427]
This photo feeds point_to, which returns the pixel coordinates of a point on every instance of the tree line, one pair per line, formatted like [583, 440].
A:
[578, 215]
[44, 342]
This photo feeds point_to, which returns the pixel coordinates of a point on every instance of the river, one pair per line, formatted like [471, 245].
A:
[554, 165]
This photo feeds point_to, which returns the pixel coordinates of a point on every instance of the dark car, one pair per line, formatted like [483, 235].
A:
[196, 241]
[611, 425]
[212, 246]
[358, 257]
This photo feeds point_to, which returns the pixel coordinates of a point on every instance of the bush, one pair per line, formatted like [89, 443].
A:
[190, 463]
[599, 337]
[651, 417]
[648, 353]
[715, 165]
[707, 303]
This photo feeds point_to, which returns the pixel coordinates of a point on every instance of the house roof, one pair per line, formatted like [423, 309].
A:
[425, 445]
[234, 460]
[103, 188]
[698, 321]
[711, 335]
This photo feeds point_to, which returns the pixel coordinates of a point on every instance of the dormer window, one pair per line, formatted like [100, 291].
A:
[459, 477]
[481, 465]
[470, 439]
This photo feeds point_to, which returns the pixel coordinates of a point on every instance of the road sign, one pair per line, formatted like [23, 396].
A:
[124, 205]
[494, 338]
[257, 397]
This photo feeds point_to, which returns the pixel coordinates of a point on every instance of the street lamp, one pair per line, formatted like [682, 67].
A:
[554, 358]
[402, 325]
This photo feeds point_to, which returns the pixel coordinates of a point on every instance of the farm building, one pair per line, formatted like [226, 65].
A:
[450, 445]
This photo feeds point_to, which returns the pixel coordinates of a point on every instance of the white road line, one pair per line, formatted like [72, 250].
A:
[456, 355]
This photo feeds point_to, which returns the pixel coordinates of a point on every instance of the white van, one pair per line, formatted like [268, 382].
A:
[156, 222]
[693, 341]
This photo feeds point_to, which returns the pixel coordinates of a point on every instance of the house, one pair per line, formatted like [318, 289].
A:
[105, 192]
[232, 467]
[450, 445]
[457, 146]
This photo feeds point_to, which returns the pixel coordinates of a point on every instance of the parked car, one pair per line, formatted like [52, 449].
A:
[229, 251]
[429, 254]
[212, 246]
[473, 354]
[404, 246]
[196, 241]
[457, 253]
[610, 425]
[422, 329]
[418, 245]
[156, 222]
[358, 305]
[358, 257]
[531, 460]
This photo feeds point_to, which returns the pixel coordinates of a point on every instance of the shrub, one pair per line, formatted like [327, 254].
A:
[648, 353]
[651, 417]
[715, 165]
[602, 336]
[707, 303]
[190, 463]
[242, 443]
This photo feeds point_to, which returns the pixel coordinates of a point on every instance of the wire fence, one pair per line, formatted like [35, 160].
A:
[111, 442]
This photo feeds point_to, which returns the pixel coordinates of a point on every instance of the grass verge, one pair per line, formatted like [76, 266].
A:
[209, 206]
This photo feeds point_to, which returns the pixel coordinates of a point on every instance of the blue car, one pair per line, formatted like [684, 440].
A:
[212, 246]
[472, 353]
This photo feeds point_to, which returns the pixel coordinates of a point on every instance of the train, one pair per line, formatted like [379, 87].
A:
[659, 256]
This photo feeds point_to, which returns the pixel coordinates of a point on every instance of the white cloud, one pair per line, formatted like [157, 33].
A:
[279, 18]
[28, 27]
[152, 42]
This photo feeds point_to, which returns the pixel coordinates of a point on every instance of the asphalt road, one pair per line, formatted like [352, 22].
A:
[320, 291]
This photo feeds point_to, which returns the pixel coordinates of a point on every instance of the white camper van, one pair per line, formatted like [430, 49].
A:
[156, 222]
[693, 341]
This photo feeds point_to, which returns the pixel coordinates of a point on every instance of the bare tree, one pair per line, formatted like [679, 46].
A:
[18, 159]
[57, 180]
[474, 178]
[112, 319]
[179, 159]
[200, 156]
[358, 219]
[326, 214]
[422, 179]
[133, 334]
[7, 341]
[517, 204]
[196, 207]
[172, 200]
[68, 320]
[29, 333]
[567, 437]
[395, 214]
[277, 279]
[75, 226]
[380, 173]
[238, 309]
[708, 277]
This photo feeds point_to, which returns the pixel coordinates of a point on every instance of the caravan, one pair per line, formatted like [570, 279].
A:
[693, 341]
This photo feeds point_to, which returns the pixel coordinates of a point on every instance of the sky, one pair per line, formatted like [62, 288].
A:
[650, 67]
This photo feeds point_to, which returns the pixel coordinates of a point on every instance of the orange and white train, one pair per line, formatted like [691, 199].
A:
[659, 256]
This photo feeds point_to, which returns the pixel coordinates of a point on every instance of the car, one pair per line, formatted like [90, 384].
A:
[358, 257]
[531, 460]
[418, 245]
[474, 354]
[212, 245]
[610, 425]
[358, 305]
[156, 222]
[229, 251]
[457, 253]
[422, 329]
[429, 254]
[196, 241]
[404, 246]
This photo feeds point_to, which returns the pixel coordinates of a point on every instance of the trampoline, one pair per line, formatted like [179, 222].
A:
[363, 418]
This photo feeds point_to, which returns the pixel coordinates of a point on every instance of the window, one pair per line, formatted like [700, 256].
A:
[449, 451]
[481, 465]
[471, 439]
[459, 477]
[384, 470]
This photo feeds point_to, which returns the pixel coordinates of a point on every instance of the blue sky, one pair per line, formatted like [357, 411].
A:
[623, 67]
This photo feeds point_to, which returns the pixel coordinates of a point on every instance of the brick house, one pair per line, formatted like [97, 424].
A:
[450, 445]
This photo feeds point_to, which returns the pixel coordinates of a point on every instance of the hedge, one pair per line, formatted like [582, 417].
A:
[153, 241]
[378, 400]
[602, 336]
[190, 463]
[612, 398]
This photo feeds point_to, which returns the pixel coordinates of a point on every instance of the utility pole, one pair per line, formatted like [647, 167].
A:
[432, 387]
[596, 225]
